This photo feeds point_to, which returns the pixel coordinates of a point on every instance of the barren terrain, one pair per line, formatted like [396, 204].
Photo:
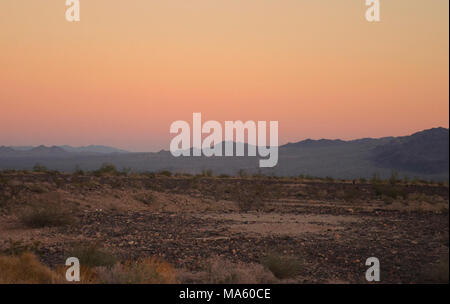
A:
[328, 227]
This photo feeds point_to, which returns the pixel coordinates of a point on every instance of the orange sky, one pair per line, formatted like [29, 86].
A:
[130, 68]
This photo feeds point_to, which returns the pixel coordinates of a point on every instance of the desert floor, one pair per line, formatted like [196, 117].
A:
[324, 229]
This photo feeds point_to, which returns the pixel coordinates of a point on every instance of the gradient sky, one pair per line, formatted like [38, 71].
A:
[130, 68]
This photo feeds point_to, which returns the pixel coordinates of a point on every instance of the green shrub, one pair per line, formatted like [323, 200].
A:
[106, 169]
[282, 266]
[39, 168]
[393, 180]
[165, 173]
[45, 215]
[207, 173]
[389, 190]
[92, 255]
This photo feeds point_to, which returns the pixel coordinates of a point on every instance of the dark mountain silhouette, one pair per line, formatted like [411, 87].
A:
[93, 149]
[423, 154]
[67, 148]
[6, 150]
[54, 150]
[315, 143]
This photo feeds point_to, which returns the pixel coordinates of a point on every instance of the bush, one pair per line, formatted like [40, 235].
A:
[92, 255]
[39, 168]
[145, 198]
[207, 173]
[221, 271]
[106, 169]
[437, 273]
[24, 269]
[165, 173]
[375, 179]
[19, 247]
[242, 173]
[143, 271]
[251, 197]
[389, 190]
[393, 180]
[41, 215]
[281, 266]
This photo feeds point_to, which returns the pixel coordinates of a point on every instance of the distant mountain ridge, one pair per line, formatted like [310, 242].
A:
[424, 154]
[64, 148]
[93, 149]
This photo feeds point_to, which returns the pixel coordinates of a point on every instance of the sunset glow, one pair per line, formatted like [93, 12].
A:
[128, 69]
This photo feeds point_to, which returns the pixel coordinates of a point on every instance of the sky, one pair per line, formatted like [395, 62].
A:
[129, 69]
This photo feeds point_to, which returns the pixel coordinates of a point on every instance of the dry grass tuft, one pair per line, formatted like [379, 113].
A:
[92, 255]
[221, 271]
[50, 214]
[439, 272]
[144, 271]
[281, 266]
[24, 269]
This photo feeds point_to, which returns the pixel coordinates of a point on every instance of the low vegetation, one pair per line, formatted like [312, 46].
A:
[282, 266]
[143, 271]
[218, 270]
[93, 255]
[24, 269]
[38, 215]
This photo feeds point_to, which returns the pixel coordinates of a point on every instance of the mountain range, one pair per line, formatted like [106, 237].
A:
[423, 154]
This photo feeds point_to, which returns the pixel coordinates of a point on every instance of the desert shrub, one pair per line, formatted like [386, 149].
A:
[41, 214]
[78, 171]
[351, 194]
[24, 269]
[389, 190]
[165, 173]
[375, 179]
[92, 255]
[19, 247]
[362, 180]
[251, 197]
[282, 266]
[143, 271]
[106, 169]
[39, 168]
[37, 188]
[393, 180]
[149, 174]
[224, 176]
[207, 173]
[322, 194]
[222, 271]
[145, 198]
[125, 171]
[242, 173]
[437, 273]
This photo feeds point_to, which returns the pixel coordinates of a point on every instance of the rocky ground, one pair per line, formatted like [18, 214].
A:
[330, 227]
